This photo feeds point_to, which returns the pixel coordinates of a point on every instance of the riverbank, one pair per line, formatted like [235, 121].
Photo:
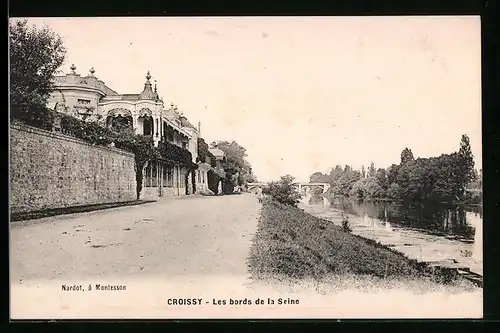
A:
[291, 244]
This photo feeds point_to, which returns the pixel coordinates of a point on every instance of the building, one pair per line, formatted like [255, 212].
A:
[202, 176]
[89, 99]
[220, 157]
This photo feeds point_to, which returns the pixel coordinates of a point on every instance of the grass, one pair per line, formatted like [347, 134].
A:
[290, 243]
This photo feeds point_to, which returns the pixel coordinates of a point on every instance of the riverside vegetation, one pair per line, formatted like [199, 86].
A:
[291, 244]
[449, 178]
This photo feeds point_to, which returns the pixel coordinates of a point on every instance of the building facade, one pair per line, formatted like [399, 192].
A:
[202, 176]
[220, 158]
[89, 99]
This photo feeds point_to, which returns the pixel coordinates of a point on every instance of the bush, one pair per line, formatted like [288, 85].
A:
[345, 224]
[39, 117]
[213, 181]
[395, 191]
[366, 188]
[284, 191]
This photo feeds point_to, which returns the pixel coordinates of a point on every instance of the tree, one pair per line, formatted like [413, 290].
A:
[382, 178]
[366, 188]
[357, 189]
[394, 192]
[372, 172]
[235, 154]
[392, 173]
[363, 171]
[238, 170]
[406, 156]
[319, 177]
[372, 189]
[284, 191]
[466, 162]
[403, 178]
[35, 55]
[336, 173]
[343, 185]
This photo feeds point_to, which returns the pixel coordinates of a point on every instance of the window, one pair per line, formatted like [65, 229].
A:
[84, 101]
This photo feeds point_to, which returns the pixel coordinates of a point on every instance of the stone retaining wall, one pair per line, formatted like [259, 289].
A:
[51, 170]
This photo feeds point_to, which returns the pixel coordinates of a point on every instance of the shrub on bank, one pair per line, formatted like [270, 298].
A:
[284, 191]
[345, 224]
[293, 243]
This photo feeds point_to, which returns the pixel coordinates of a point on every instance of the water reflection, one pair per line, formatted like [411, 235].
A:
[433, 218]
[431, 232]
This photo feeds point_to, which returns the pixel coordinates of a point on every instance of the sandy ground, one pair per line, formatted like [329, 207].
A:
[191, 248]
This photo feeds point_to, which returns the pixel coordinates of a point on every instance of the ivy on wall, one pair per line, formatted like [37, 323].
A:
[204, 153]
[171, 152]
[141, 146]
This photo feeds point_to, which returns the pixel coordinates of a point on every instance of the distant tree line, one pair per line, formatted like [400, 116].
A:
[445, 178]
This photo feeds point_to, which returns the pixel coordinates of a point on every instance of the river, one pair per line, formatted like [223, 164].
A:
[431, 233]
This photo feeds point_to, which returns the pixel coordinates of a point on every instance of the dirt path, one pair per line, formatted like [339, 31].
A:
[192, 236]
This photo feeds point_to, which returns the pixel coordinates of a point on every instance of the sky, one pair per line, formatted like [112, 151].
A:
[301, 94]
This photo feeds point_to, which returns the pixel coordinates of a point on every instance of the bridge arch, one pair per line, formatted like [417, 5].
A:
[300, 186]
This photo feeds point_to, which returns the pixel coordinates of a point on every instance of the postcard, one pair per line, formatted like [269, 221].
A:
[245, 167]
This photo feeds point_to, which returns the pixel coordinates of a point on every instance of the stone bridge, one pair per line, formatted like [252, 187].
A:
[302, 186]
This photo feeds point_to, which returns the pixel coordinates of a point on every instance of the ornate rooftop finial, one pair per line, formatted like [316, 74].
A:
[147, 93]
[155, 87]
[92, 71]
[73, 68]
